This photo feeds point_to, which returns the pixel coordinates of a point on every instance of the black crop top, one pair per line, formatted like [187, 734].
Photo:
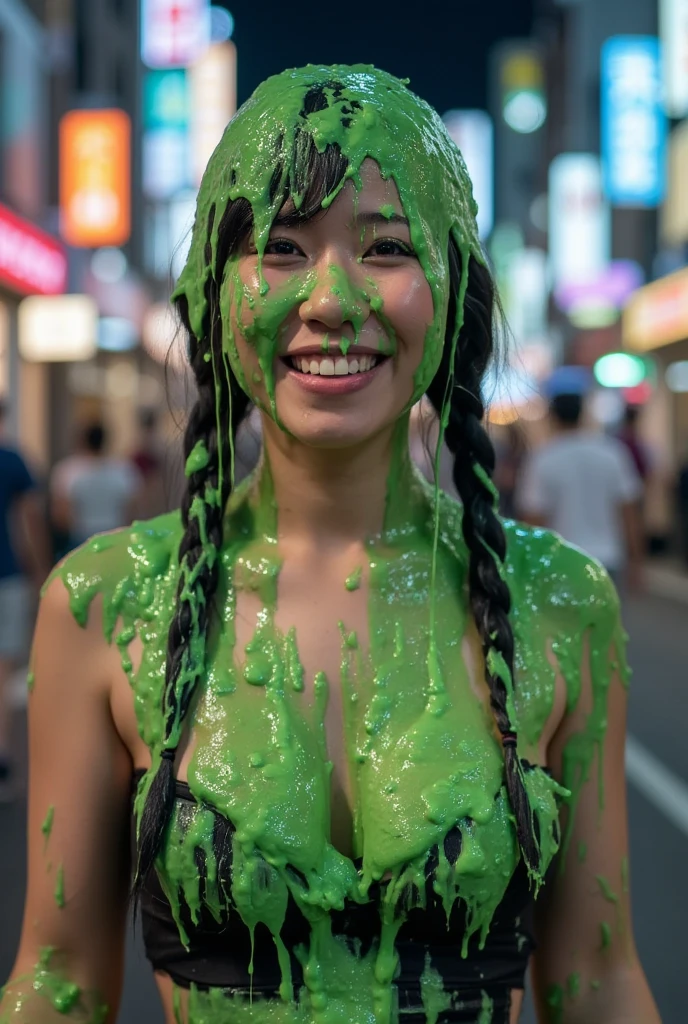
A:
[219, 953]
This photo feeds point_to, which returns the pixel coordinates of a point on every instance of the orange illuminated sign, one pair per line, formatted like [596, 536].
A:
[95, 177]
[657, 314]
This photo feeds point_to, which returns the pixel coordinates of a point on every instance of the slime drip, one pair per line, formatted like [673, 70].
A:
[421, 745]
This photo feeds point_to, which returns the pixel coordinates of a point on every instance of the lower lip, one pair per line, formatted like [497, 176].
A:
[334, 385]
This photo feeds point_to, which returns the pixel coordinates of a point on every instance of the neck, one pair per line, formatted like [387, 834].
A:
[334, 497]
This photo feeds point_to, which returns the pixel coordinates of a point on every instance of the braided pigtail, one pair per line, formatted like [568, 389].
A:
[212, 425]
[474, 462]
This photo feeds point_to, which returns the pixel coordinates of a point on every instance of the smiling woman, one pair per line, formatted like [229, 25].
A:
[349, 707]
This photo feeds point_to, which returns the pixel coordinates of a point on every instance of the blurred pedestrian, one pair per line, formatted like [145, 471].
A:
[584, 485]
[94, 492]
[510, 454]
[629, 436]
[24, 559]
[682, 495]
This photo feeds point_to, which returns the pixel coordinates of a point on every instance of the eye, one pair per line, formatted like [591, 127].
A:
[389, 247]
[282, 247]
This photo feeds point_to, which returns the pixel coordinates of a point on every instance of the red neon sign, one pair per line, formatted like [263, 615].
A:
[31, 261]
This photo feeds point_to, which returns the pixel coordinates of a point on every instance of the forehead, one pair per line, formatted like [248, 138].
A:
[369, 193]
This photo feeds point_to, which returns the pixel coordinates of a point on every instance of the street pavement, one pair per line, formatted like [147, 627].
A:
[658, 722]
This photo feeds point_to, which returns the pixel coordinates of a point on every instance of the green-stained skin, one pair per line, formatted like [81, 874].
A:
[47, 984]
[260, 754]
[47, 826]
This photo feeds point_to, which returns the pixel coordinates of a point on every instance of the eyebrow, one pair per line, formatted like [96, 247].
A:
[374, 217]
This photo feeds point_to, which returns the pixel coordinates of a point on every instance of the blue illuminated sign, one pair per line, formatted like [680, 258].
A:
[634, 128]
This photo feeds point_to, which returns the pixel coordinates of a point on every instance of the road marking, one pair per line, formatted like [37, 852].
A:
[666, 791]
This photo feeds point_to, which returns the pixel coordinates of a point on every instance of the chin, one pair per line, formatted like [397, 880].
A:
[330, 431]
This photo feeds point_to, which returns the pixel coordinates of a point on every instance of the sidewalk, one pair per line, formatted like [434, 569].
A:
[666, 577]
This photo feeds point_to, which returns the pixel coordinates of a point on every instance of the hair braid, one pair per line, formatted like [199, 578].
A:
[474, 462]
[216, 416]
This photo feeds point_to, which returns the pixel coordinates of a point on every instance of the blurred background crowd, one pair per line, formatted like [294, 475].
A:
[572, 116]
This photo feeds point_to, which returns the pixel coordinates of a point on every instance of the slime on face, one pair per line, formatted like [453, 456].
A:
[261, 759]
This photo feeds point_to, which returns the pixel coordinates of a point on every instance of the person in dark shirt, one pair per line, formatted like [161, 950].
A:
[24, 560]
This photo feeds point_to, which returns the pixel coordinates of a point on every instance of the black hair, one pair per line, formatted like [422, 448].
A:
[483, 533]
[316, 176]
[95, 437]
[567, 409]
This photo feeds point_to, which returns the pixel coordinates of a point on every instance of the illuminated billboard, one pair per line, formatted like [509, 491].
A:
[579, 219]
[212, 87]
[31, 261]
[633, 122]
[95, 177]
[673, 27]
[473, 133]
[174, 33]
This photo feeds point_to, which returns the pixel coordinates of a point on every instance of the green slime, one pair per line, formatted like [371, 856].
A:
[260, 755]
[423, 754]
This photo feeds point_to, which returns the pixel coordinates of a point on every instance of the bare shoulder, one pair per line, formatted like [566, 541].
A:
[551, 578]
[130, 570]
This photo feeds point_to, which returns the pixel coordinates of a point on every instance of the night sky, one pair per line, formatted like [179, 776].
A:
[441, 46]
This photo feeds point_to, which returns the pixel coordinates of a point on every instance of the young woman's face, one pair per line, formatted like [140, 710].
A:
[342, 326]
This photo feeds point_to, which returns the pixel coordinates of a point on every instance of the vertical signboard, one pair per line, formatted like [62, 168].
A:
[213, 102]
[473, 133]
[165, 139]
[633, 122]
[673, 28]
[174, 33]
[95, 177]
[579, 219]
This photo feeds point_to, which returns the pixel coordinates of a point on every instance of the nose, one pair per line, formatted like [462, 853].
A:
[335, 300]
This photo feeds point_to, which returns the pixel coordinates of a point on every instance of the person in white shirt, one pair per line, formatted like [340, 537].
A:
[94, 492]
[584, 485]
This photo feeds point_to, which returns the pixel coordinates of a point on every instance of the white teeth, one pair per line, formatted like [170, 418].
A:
[334, 367]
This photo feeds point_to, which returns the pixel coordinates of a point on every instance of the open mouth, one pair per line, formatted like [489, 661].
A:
[338, 366]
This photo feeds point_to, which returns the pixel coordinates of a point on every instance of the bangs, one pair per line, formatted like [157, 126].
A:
[296, 191]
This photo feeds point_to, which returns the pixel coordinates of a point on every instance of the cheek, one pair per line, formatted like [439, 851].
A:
[407, 302]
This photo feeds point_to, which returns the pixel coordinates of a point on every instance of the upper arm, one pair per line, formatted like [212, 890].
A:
[78, 767]
[584, 929]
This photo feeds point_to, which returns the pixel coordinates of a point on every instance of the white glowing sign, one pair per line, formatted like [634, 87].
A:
[673, 27]
[212, 87]
[473, 133]
[57, 328]
[174, 33]
[579, 219]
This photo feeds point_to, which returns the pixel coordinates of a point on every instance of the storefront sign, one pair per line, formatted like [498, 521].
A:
[674, 212]
[174, 33]
[57, 329]
[673, 28]
[95, 177]
[633, 122]
[31, 262]
[657, 314]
